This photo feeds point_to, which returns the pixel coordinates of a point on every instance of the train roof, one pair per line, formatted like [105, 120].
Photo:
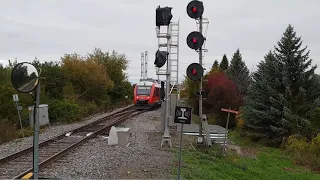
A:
[148, 83]
[150, 80]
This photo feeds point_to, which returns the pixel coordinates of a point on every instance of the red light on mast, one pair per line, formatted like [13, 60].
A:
[194, 9]
[194, 40]
[194, 71]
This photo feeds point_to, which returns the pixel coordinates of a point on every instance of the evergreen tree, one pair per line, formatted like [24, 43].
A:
[224, 63]
[284, 93]
[215, 64]
[300, 96]
[239, 73]
[215, 68]
[259, 112]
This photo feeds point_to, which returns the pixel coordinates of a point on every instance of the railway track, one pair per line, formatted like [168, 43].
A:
[17, 165]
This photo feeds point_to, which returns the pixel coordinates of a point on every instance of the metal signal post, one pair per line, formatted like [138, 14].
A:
[163, 18]
[200, 85]
[195, 40]
[166, 135]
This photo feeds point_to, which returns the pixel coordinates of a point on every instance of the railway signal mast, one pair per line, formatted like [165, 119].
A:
[163, 18]
[195, 40]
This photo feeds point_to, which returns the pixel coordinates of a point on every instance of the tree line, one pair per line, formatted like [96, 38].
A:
[278, 103]
[74, 87]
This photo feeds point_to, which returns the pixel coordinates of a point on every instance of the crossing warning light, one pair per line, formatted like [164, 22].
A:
[195, 9]
[195, 71]
[163, 16]
[161, 58]
[195, 40]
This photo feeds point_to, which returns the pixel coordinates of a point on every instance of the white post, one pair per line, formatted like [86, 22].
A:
[16, 100]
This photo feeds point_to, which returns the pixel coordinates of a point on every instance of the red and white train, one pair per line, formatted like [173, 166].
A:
[147, 94]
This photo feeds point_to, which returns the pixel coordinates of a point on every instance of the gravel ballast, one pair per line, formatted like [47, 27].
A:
[143, 158]
[22, 143]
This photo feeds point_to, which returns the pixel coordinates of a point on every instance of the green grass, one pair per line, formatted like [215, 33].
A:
[269, 163]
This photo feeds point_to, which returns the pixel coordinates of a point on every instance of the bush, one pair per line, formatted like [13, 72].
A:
[7, 131]
[315, 121]
[88, 108]
[212, 119]
[239, 119]
[64, 111]
[304, 152]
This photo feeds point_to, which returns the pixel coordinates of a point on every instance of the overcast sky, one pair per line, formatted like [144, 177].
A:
[48, 29]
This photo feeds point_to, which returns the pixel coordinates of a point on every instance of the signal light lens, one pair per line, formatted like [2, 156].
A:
[195, 9]
[195, 40]
[195, 71]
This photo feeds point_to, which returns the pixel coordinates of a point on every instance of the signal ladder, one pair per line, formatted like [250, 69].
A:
[173, 57]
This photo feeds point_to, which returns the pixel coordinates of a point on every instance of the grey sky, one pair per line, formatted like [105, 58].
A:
[48, 29]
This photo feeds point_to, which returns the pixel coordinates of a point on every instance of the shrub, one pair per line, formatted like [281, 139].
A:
[304, 152]
[239, 120]
[88, 108]
[212, 119]
[64, 111]
[315, 121]
[7, 131]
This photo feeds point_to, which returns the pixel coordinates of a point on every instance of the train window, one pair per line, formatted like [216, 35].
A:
[143, 90]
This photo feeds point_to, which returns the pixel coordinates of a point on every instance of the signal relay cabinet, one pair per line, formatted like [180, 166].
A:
[43, 115]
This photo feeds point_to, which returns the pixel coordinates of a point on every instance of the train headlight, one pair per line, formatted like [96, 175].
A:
[137, 97]
[148, 97]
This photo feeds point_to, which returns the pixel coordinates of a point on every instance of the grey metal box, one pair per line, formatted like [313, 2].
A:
[123, 136]
[43, 115]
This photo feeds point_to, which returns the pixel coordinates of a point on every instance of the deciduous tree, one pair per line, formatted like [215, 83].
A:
[222, 93]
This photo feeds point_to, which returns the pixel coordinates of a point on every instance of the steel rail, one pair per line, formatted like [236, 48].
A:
[81, 141]
[119, 113]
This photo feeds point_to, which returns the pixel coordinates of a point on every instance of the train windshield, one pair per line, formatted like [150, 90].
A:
[143, 90]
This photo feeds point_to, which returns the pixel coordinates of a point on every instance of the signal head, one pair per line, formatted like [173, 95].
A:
[161, 58]
[163, 16]
[195, 40]
[195, 71]
[195, 9]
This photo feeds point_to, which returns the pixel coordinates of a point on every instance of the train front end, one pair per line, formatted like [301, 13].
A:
[146, 95]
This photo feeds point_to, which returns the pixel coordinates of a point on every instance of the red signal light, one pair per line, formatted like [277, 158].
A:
[194, 40]
[195, 9]
[195, 71]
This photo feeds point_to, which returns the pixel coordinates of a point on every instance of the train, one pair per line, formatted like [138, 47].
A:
[147, 94]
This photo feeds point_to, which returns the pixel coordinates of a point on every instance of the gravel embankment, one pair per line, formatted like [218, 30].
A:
[22, 143]
[143, 158]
